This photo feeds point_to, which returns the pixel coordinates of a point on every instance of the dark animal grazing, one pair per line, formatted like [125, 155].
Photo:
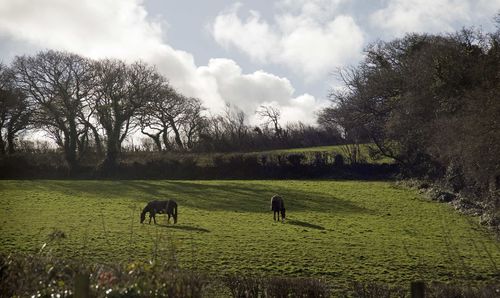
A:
[160, 207]
[278, 206]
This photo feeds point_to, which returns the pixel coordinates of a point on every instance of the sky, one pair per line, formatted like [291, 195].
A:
[284, 53]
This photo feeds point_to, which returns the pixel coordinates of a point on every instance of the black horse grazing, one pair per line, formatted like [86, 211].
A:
[278, 206]
[160, 207]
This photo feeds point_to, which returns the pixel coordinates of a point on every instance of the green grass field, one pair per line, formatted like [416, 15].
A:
[343, 231]
[335, 149]
[206, 159]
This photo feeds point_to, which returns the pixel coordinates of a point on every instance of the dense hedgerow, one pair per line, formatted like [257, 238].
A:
[219, 166]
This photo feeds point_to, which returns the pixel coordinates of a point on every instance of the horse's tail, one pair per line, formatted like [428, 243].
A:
[273, 201]
[277, 203]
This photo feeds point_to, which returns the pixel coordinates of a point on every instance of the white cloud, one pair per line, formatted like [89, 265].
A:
[306, 37]
[317, 50]
[91, 27]
[320, 10]
[249, 91]
[303, 108]
[120, 29]
[253, 35]
[433, 16]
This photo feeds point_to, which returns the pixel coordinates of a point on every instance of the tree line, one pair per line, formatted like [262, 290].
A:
[91, 106]
[430, 102]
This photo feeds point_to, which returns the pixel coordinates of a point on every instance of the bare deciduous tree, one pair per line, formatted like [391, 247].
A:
[15, 112]
[171, 116]
[57, 83]
[153, 118]
[271, 116]
[121, 90]
[193, 121]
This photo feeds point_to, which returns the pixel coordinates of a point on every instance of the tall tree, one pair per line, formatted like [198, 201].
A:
[174, 108]
[15, 111]
[171, 116]
[57, 83]
[429, 101]
[121, 90]
[271, 116]
[193, 121]
[154, 117]
[235, 127]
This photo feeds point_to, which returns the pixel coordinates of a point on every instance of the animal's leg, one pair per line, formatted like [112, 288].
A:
[168, 220]
[153, 215]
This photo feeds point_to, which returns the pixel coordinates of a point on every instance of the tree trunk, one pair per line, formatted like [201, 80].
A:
[72, 140]
[10, 143]
[2, 144]
[166, 142]
[11, 134]
[177, 135]
[156, 139]
[190, 139]
[113, 146]
[97, 139]
[70, 152]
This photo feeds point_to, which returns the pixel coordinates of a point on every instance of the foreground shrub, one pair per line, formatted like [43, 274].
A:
[278, 287]
[446, 290]
[243, 286]
[295, 287]
[27, 275]
[374, 290]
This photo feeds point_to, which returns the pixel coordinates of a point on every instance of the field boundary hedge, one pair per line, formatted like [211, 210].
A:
[234, 166]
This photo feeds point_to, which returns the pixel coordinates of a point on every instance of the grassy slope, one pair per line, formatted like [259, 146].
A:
[204, 159]
[333, 148]
[336, 149]
[371, 231]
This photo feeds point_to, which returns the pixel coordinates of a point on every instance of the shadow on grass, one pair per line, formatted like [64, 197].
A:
[304, 224]
[184, 228]
[241, 196]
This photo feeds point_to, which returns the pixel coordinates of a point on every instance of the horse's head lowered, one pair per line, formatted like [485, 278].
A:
[283, 214]
[143, 216]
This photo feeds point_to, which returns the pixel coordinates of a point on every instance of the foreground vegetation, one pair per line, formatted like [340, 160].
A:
[339, 231]
[46, 276]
